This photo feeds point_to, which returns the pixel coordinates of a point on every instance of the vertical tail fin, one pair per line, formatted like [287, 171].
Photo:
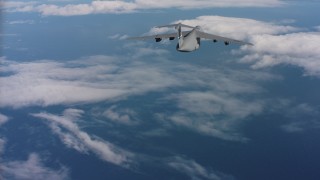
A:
[178, 28]
[180, 36]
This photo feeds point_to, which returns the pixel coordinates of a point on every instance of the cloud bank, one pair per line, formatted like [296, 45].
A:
[239, 28]
[73, 137]
[274, 43]
[117, 6]
[89, 80]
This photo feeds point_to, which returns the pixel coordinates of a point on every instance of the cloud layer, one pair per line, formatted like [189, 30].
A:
[114, 6]
[216, 112]
[111, 78]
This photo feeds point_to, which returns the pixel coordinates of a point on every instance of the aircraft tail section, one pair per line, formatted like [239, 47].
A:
[178, 28]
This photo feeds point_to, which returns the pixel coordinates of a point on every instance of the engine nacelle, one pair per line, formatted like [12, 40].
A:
[158, 39]
[171, 38]
[226, 43]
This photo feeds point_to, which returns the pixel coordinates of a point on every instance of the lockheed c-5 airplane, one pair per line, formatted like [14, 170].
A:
[189, 40]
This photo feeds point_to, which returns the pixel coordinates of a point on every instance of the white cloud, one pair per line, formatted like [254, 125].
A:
[117, 6]
[32, 168]
[195, 171]
[297, 49]
[73, 137]
[122, 116]
[3, 119]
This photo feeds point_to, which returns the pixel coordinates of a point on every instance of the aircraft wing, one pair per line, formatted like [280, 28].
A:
[161, 36]
[220, 38]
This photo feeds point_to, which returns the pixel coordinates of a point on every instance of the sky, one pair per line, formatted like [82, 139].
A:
[80, 101]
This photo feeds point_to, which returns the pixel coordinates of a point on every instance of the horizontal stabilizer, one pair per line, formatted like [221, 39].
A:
[175, 25]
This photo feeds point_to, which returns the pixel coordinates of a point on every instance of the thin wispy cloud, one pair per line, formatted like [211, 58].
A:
[21, 22]
[73, 137]
[119, 37]
[113, 6]
[214, 114]
[196, 171]
[32, 168]
[3, 119]
[121, 116]
[2, 143]
[301, 117]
